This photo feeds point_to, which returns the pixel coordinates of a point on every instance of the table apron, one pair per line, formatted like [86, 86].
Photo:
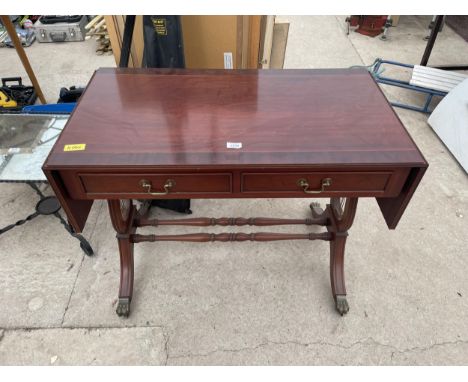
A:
[256, 183]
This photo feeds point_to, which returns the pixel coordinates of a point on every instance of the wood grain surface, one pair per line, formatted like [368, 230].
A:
[141, 117]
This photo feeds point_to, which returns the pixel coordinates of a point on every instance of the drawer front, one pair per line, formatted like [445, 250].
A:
[143, 184]
[326, 183]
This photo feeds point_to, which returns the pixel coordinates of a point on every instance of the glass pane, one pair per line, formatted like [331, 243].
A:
[19, 164]
[20, 133]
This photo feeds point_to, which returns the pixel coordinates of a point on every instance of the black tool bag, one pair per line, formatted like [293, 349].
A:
[163, 42]
[177, 205]
[70, 95]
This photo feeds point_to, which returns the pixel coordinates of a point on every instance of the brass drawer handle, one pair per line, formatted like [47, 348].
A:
[167, 186]
[326, 182]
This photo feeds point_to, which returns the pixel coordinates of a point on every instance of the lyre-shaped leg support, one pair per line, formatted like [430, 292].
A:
[122, 215]
[340, 218]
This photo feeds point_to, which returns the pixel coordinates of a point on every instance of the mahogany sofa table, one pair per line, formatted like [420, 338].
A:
[142, 134]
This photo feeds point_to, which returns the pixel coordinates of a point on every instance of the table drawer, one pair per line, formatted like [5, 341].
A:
[311, 183]
[156, 184]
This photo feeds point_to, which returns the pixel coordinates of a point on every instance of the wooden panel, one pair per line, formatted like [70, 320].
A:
[253, 61]
[355, 182]
[114, 37]
[249, 29]
[280, 41]
[244, 41]
[266, 40]
[131, 183]
[239, 42]
[138, 44]
[115, 27]
[393, 208]
[206, 38]
[77, 211]
[395, 20]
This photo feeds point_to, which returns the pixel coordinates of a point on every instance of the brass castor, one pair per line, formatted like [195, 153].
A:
[123, 307]
[317, 211]
[341, 304]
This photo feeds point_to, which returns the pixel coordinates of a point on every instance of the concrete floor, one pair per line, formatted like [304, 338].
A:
[249, 304]
[56, 65]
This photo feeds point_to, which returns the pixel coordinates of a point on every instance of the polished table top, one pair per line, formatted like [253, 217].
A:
[171, 117]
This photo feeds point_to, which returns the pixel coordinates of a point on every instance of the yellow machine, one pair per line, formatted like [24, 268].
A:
[6, 101]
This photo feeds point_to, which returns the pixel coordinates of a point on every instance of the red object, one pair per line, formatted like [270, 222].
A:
[167, 134]
[368, 25]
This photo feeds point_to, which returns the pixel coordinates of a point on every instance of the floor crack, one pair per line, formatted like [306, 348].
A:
[166, 347]
[75, 327]
[71, 292]
[365, 341]
[79, 268]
